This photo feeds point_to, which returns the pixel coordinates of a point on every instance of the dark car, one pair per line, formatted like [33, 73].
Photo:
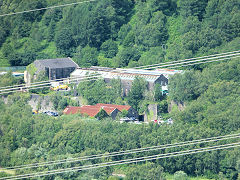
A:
[50, 113]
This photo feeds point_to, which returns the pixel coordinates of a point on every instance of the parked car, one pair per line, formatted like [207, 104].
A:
[35, 112]
[50, 113]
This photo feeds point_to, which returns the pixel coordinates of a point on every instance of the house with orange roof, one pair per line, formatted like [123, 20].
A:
[92, 111]
[131, 112]
[102, 110]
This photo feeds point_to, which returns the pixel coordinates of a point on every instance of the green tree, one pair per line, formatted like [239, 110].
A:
[192, 8]
[146, 171]
[9, 80]
[155, 55]
[153, 33]
[101, 115]
[184, 87]
[180, 175]
[15, 59]
[136, 93]
[158, 96]
[3, 35]
[125, 55]
[109, 48]
[64, 41]
[86, 56]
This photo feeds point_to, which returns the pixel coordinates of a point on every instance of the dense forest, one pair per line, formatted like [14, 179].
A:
[118, 33]
[124, 33]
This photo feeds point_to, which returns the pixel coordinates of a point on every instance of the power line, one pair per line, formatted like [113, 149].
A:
[178, 63]
[41, 9]
[189, 63]
[48, 81]
[118, 153]
[140, 67]
[11, 90]
[127, 161]
[136, 68]
[26, 87]
[206, 62]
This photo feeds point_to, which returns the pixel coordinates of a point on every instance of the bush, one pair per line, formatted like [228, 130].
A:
[180, 175]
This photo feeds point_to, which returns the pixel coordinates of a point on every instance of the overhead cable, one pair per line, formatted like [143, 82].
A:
[146, 66]
[183, 64]
[51, 7]
[189, 62]
[126, 161]
[120, 153]
[192, 64]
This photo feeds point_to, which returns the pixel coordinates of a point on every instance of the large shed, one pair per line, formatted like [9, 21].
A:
[56, 68]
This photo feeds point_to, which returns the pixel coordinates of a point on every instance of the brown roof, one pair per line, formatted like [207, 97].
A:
[71, 110]
[119, 107]
[91, 111]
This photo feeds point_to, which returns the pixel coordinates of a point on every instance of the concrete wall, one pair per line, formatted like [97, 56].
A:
[151, 113]
[43, 103]
[180, 105]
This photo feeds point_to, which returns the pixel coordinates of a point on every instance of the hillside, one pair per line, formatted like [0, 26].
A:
[118, 33]
[123, 33]
[212, 109]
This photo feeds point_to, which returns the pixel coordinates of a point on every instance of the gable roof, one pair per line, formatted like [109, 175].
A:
[94, 108]
[91, 111]
[119, 107]
[57, 63]
[71, 110]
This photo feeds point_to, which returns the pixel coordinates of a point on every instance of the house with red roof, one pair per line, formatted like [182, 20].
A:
[131, 112]
[91, 111]
[102, 110]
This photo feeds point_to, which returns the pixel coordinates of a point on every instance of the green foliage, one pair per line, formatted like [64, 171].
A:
[155, 55]
[100, 92]
[101, 115]
[60, 102]
[109, 48]
[125, 55]
[119, 34]
[124, 113]
[86, 56]
[31, 69]
[105, 62]
[191, 84]
[192, 8]
[180, 175]
[136, 94]
[158, 96]
[183, 28]
[9, 80]
[3, 35]
[146, 171]
[184, 87]
[163, 107]
[64, 41]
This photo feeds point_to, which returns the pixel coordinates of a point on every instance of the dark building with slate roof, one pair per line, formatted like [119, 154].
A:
[53, 68]
[56, 68]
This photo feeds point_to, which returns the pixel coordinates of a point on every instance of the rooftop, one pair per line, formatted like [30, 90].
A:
[93, 110]
[119, 107]
[57, 63]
